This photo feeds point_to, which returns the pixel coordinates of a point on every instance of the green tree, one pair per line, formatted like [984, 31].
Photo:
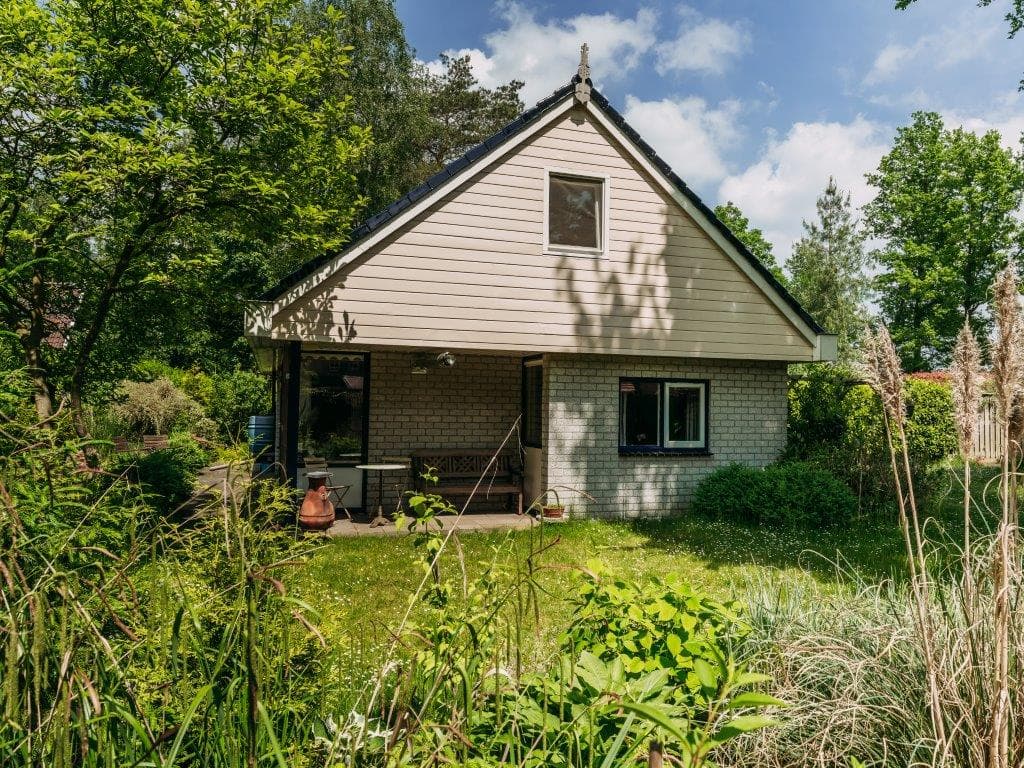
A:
[826, 269]
[141, 144]
[420, 120]
[730, 215]
[384, 84]
[947, 208]
[199, 322]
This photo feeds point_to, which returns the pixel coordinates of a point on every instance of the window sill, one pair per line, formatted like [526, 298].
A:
[626, 451]
[595, 254]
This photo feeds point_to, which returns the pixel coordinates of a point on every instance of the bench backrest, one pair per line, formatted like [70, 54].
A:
[455, 466]
[152, 443]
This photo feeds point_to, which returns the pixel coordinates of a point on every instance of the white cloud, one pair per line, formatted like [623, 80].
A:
[688, 133]
[972, 37]
[545, 54]
[779, 190]
[1005, 116]
[702, 45]
[917, 98]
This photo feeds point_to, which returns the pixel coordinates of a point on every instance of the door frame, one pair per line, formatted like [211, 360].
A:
[294, 376]
[532, 449]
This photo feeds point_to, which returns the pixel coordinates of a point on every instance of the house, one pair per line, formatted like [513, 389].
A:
[559, 273]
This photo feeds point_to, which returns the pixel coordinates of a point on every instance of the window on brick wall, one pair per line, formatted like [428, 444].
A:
[663, 415]
[533, 403]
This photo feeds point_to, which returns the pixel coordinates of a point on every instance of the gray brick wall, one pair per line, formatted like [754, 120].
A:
[747, 423]
[472, 405]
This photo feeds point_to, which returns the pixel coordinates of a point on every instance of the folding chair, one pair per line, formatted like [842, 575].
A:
[318, 464]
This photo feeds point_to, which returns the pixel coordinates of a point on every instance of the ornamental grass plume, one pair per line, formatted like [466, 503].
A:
[1007, 370]
[965, 374]
[1007, 354]
[885, 375]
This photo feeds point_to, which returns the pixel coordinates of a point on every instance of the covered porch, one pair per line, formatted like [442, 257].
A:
[357, 406]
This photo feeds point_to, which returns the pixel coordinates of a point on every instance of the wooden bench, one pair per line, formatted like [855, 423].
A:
[460, 469]
[151, 443]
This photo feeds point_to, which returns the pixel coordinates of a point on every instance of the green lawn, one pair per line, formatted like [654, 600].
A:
[361, 586]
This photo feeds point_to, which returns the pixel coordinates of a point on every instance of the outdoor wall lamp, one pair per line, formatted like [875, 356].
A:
[425, 360]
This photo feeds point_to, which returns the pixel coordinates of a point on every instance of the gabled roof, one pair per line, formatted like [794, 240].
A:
[531, 116]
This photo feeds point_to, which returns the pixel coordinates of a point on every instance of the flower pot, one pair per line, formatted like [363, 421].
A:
[553, 511]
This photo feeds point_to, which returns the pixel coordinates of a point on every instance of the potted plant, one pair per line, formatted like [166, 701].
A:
[552, 510]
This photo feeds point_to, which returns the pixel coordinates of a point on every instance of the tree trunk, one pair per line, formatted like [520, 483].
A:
[78, 374]
[31, 335]
[134, 244]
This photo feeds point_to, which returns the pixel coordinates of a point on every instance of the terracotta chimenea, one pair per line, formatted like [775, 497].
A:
[316, 512]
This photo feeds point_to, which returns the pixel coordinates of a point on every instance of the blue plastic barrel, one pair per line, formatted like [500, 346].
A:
[260, 432]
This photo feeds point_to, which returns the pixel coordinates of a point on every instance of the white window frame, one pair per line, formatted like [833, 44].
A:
[701, 388]
[535, 362]
[553, 249]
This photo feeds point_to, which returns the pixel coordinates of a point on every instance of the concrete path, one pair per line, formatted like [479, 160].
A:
[474, 522]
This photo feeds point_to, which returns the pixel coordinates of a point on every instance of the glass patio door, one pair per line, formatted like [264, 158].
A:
[333, 409]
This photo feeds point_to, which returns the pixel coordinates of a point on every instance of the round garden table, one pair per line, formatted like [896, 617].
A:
[380, 469]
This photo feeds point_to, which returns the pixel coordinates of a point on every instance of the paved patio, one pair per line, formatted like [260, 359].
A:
[475, 522]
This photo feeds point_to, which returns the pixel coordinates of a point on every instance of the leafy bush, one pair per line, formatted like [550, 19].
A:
[229, 399]
[44, 495]
[234, 398]
[158, 407]
[166, 477]
[656, 626]
[789, 494]
[836, 424]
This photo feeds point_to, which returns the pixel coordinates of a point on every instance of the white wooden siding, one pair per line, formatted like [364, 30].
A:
[471, 273]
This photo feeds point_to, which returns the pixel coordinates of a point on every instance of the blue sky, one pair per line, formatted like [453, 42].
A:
[753, 101]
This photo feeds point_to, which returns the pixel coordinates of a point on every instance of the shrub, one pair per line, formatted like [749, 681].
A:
[158, 407]
[836, 424]
[656, 626]
[789, 494]
[166, 477]
[229, 399]
[234, 398]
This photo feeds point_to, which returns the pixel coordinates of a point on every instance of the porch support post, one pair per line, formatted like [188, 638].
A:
[293, 368]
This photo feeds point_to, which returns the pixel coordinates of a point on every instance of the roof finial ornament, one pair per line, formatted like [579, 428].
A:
[582, 79]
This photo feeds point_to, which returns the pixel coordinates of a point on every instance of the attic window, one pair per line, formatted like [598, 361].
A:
[575, 213]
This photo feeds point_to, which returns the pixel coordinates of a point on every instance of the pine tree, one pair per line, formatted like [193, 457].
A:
[730, 215]
[827, 269]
